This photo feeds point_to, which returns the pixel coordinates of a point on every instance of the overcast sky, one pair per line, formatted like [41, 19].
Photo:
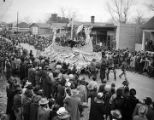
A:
[39, 10]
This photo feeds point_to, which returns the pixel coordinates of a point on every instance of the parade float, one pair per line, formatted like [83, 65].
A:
[80, 56]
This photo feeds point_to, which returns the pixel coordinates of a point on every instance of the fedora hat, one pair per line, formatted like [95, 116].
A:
[99, 95]
[43, 101]
[116, 114]
[63, 113]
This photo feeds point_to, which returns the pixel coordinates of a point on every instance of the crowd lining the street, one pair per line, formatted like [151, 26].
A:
[54, 90]
[39, 42]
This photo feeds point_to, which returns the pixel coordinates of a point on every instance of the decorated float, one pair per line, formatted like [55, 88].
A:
[80, 56]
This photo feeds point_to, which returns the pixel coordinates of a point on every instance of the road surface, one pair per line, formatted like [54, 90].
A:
[142, 83]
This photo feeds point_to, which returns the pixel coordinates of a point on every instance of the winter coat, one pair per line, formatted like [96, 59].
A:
[72, 105]
[31, 75]
[43, 114]
[97, 111]
[46, 84]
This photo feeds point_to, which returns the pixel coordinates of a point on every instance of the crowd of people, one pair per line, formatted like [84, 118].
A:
[44, 89]
[140, 62]
[39, 42]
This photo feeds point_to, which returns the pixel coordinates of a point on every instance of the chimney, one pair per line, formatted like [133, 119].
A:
[92, 19]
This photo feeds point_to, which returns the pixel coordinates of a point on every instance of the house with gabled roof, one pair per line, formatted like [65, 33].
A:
[148, 35]
[40, 28]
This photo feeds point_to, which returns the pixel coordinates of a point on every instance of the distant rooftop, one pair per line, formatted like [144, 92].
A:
[149, 24]
[58, 25]
[41, 25]
[96, 24]
[23, 25]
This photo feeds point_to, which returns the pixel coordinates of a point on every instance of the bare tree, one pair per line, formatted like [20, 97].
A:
[151, 6]
[69, 13]
[119, 10]
[27, 19]
[63, 12]
[139, 19]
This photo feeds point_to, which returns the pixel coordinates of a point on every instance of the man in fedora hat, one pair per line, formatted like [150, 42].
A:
[43, 110]
[97, 109]
[72, 105]
[17, 103]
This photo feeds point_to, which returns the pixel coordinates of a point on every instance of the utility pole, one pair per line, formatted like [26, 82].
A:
[72, 29]
[17, 22]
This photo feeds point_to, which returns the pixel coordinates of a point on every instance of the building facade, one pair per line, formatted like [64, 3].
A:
[40, 28]
[148, 36]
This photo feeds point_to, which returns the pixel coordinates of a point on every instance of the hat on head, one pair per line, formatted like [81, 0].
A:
[71, 76]
[99, 95]
[58, 66]
[125, 83]
[132, 91]
[67, 84]
[107, 87]
[116, 114]
[43, 101]
[63, 113]
[148, 100]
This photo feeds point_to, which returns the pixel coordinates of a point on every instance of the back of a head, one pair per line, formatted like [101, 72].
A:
[119, 92]
[102, 88]
[148, 100]
[126, 90]
[94, 78]
[132, 92]
[113, 85]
